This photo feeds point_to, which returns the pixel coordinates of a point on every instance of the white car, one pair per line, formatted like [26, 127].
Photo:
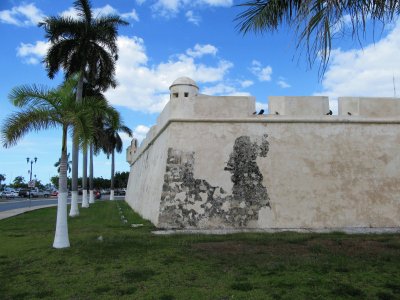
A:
[9, 194]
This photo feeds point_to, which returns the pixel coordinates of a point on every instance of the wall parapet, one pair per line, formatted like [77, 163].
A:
[264, 119]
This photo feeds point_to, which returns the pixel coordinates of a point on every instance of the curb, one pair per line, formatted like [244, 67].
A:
[14, 212]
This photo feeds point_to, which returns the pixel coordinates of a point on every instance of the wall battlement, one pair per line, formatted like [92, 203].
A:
[199, 166]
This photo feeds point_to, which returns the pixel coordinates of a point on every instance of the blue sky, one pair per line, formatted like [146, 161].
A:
[167, 39]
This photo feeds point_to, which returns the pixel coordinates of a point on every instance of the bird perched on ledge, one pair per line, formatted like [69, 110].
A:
[276, 113]
[261, 112]
[329, 113]
[349, 113]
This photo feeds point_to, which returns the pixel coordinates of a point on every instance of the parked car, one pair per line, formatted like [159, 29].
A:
[8, 194]
[23, 193]
[105, 191]
[54, 193]
[120, 192]
[36, 193]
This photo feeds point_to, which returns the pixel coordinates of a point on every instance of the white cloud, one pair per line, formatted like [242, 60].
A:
[145, 88]
[102, 11]
[223, 89]
[224, 3]
[283, 83]
[219, 89]
[33, 53]
[200, 50]
[246, 83]
[131, 15]
[140, 132]
[262, 73]
[169, 8]
[364, 72]
[192, 18]
[23, 15]
[69, 13]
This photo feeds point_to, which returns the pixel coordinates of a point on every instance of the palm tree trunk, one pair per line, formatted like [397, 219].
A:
[112, 175]
[91, 194]
[75, 154]
[61, 239]
[85, 201]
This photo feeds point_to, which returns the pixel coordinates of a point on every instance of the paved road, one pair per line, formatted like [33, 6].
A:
[9, 204]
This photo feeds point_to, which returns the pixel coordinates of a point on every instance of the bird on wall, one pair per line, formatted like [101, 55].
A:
[261, 112]
[329, 113]
[254, 113]
[276, 113]
[349, 113]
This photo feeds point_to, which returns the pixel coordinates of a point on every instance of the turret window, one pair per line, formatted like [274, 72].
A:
[186, 94]
[175, 95]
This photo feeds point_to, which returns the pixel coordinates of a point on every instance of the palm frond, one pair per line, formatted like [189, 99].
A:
[61, 28]
[84, 9]
[20, 123]
[315, 21]
[30, 95]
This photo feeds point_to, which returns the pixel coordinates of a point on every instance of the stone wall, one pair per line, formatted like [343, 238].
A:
[270, 173]
[210, 163]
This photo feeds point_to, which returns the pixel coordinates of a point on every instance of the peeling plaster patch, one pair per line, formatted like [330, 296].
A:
[188, 202]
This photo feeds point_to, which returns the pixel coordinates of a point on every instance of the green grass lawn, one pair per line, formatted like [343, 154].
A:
[132, 263]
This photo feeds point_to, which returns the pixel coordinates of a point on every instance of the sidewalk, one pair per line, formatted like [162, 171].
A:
[13, 212]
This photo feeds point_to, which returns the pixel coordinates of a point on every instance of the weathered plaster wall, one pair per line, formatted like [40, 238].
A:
[146, 178]
[188, 201]
[313, 175]
[209, 163]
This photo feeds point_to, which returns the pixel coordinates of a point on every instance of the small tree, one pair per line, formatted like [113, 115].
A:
[19, 182]
[112, 142]
[2, 178]
[121, 179]
[43, 108]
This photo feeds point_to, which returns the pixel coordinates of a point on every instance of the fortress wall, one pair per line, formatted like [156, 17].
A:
[321, 173]
[146, 178]
[210, 163]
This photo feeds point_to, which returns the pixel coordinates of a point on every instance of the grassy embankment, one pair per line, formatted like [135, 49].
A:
[132, 263]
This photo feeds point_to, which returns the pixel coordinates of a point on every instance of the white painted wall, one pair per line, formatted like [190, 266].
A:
[320, 172]
[146, 178]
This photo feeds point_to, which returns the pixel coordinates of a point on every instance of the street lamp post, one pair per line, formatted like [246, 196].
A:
[30, 160]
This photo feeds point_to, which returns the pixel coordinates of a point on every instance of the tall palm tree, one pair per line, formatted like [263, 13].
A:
[43, 108]
[111, 142]
[86, 45]
[94, 147]
[316, 22]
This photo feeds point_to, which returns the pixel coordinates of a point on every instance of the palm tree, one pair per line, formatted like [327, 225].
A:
[111, 142]
[43, 108]
[316, 22]
[69, 162]
[88, 46]
[94, 147]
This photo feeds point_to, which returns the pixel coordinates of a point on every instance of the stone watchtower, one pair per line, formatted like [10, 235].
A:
[183, 87]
